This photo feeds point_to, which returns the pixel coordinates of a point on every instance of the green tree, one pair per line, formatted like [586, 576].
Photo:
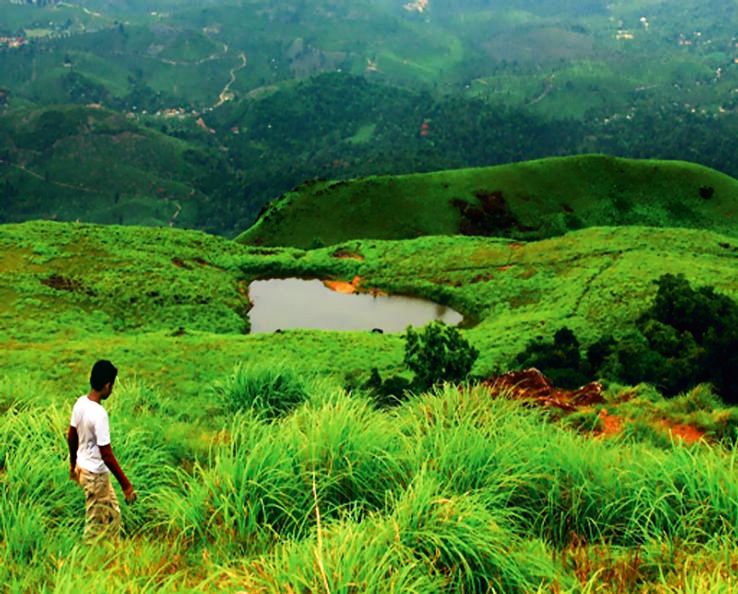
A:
[560, 360]
[438, 353]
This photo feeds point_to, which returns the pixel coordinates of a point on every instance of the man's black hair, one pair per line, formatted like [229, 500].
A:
[103, 372]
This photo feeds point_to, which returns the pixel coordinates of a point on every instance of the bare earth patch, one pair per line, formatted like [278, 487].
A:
[685, 433]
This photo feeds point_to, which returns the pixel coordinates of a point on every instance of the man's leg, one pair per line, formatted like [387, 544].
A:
[102, 512]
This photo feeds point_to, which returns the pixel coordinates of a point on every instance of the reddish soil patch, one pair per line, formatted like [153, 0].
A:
[489, 217]
[343, 286]
[180, 263]
[528, 273]
[685, 433]
[533, 386]
[504, 268]
[351, 288]
[516, 246]
[480, 278]
[611, 424]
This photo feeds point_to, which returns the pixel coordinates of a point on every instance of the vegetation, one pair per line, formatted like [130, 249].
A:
[230, 106]
[326, 461]
[528, 200]
[271, 390]
[451, 490]
[148, 291]
[438, 354]
[69, 163]
[686, 337]
[561, 360]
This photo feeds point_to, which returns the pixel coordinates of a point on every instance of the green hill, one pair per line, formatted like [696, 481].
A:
[529, 200]
[73, 162]
[62, 283]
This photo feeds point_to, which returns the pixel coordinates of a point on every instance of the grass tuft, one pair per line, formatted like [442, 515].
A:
[268, 389]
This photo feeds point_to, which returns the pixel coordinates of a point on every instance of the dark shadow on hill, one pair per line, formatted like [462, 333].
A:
[491, 217]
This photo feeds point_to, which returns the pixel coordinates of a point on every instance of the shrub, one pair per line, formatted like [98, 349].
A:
[438, 354]
[688, 310]
[687, 337]
[560, 360]
[387, 392]
[696, 330]
[459, 537]
[270, 390]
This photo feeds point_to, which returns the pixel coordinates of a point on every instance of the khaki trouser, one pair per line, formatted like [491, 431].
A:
[102, 512]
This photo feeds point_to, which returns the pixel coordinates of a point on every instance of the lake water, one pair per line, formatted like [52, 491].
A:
[297, 303]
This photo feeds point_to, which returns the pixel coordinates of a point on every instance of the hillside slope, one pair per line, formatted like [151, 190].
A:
[73, 286]
[456, 490]
[74, 162]
[530, 200]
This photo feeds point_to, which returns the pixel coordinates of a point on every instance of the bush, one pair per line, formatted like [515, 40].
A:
[387, 392]
[269, 390]
[438, 354]
[560, 360]
[687, 337]
[696, 331]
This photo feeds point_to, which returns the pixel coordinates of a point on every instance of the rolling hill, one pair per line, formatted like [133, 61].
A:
[90, 163]
[530, 200]
[63, 282]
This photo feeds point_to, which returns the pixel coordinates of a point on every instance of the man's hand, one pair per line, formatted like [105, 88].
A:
[74, 474]
[130, 495]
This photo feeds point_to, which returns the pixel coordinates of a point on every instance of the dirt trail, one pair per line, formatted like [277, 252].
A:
[546, 91]
[214, 56]
[174, 217]
[226, 94]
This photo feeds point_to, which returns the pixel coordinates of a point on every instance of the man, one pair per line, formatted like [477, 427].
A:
[91, 458]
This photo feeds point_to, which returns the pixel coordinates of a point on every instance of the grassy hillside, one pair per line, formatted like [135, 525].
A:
[529, 200]
[72, 162]
[453, 491]
[74, 286]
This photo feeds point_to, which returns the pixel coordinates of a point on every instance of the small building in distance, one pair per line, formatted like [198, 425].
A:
[13, 42]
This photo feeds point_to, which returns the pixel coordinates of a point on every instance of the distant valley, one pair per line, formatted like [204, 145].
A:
[262, 96]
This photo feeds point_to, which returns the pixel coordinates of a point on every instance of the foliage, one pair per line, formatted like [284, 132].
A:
[476, 85]
[530, 200]
[451, 491]
[438, 354]
[272, 390]
[389, 391]
[560, 360]
[686, 337]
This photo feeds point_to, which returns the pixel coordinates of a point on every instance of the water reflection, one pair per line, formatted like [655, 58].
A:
[298, 303]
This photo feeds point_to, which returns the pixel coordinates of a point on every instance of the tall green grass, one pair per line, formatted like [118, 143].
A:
[269, 389]
[454, 491]
[257, 485]
[563, 487]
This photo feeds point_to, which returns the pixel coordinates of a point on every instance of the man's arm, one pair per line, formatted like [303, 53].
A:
[111, 462]
[73, 443]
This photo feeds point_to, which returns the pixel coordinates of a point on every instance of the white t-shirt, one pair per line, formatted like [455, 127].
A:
[93, 428]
